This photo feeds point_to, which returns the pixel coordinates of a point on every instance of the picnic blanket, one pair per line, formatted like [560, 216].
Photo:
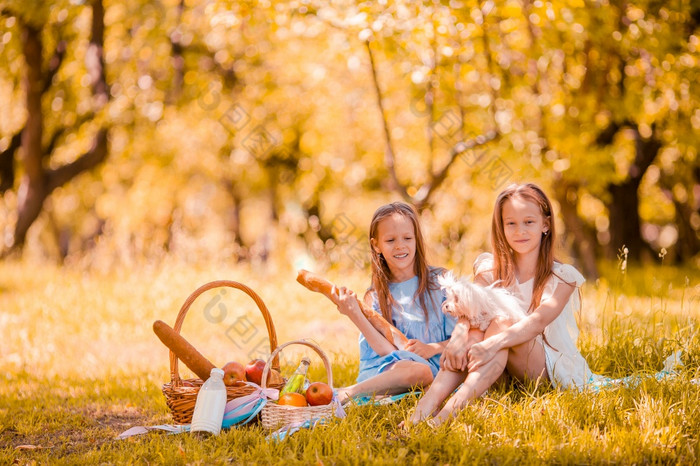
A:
[239, 412]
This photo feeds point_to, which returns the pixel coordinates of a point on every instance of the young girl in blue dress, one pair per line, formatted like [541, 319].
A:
[405, 291]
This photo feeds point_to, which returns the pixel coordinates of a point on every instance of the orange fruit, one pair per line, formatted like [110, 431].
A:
[292, 399]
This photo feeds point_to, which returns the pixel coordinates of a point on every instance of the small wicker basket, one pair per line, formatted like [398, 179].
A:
[274, 415]
[181, 395]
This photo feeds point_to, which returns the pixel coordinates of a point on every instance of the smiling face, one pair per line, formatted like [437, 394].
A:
[523, 225]
[396, 242]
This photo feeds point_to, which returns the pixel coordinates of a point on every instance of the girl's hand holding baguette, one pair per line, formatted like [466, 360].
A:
[347, 301]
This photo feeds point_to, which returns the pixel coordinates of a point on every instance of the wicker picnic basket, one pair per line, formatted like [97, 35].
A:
[181, 395]
[274, 415]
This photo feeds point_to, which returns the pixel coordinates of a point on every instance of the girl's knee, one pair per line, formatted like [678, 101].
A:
[497, 325]
[475, 336]
[411, 373]
[424, 375]
[417, 374]
[527, 360]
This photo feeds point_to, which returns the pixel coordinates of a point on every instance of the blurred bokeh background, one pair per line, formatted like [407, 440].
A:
[267, 132]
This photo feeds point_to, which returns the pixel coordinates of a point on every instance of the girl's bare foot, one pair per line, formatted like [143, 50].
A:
[443, 386]
[403, 425]
[417, 418]
[424, 410]
[453, 406]
[343, 396]
[440, 418]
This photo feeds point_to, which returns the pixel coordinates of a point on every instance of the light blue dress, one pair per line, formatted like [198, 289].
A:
[408, 316]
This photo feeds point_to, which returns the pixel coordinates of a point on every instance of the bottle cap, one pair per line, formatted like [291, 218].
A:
[218, 371]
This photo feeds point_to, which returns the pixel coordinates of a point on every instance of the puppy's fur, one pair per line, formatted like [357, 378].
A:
[480, 305]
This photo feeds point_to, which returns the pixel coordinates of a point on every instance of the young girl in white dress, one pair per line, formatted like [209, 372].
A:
[541, 345]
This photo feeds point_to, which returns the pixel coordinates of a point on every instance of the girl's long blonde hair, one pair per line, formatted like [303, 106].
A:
[503, 256]
[381, 275]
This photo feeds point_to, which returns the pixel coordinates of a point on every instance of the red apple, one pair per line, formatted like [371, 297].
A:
[254, 371]
[233, 372]
[319, 393]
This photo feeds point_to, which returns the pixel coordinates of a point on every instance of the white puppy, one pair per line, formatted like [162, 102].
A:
[478, 304]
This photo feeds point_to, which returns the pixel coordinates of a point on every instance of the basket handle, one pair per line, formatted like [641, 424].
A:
[272, 335]
[304, 342]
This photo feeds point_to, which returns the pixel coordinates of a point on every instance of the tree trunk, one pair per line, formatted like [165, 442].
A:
[688, 243]
[7, 163]
[177, 57]
[625, 224]
[234, 221]
[623, 208]
[37, 181]
[273, 180]
[32, 190]
[582, 240]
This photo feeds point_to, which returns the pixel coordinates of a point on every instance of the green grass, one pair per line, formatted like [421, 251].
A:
[80, 365]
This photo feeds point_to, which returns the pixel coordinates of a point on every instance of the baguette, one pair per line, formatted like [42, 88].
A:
[320, 285]
[184, 351]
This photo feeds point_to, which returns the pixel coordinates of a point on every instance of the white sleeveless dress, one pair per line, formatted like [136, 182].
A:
[566, 366]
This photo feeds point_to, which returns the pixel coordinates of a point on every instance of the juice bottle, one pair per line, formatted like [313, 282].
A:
[296, 381]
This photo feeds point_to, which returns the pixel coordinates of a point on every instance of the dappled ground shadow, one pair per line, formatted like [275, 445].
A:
[83, 429]
[43, 419]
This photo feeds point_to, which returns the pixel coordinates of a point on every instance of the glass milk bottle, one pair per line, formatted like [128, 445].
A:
[211, 403]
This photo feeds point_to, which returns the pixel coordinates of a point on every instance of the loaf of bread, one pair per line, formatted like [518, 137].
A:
[184, 351]
[319, 284]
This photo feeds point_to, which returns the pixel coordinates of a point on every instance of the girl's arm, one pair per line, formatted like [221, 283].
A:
[348, 305]
[523, 331]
